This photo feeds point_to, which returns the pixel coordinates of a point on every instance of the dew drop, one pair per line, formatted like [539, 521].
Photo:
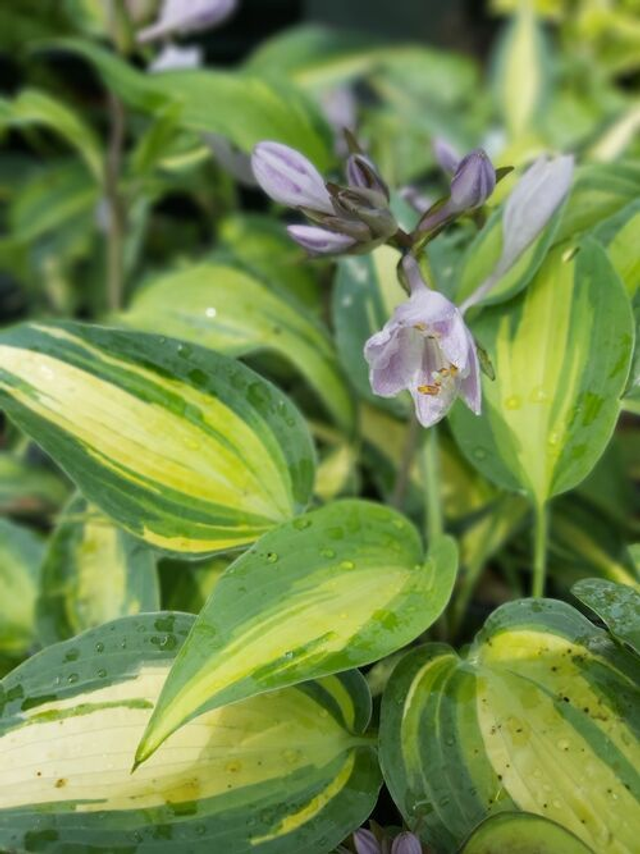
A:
[563, 744]
[479, 454]
[513, 402]
[272, 557]
[301, 524]
[72, 677]
[211, 312]
[102, 673]
[347, 564]
[233, 767]
[99, 647]
[328, 553]
[539, 395]
[292, 756]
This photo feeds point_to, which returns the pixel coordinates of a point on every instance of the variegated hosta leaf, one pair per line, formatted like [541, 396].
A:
[234, 312]
[620, 235]
[337, 588]
[521, 71]
[617, 605]
[561, 354]
[522, 833]
[285, 772]
[93, 572]
[189, 450]
[540, 716]
[21, 552]
[483, 256]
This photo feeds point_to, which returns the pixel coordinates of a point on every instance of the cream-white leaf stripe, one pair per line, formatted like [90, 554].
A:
[277, 774]
[337, 588]
[188, 449]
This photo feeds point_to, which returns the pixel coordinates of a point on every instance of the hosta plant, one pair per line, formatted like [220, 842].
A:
[317, 480]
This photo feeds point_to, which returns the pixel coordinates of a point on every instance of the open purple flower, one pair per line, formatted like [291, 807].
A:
[187, 16]
[426, 349]
[345, 219]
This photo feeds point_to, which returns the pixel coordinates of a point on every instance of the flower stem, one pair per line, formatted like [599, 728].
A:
[403, 478]
[116, 208]
[540, 536]
[431, 479]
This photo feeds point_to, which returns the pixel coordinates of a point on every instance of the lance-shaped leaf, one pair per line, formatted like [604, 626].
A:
[283, 773]
[522, 833]
[335, 589]
[232, 311]
[620, 235]
[93, 572]
[21, 552]
[365, 295]
[521, 70]
[540, 716]
[617, 605]
[248, 108]
[189, 450]
[561, 355]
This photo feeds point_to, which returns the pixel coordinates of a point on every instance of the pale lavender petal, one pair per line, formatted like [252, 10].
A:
[473, 182]
[413, 197]
[471, 384]
[187, 16]
[173, 58]
[531, 205]
[232, 159]
[446, 155]
[365, 842]
[454, 340]
[406, 843]
[339, 106]
[431, 408]
[395, 358]
[320, 241]
[289, 178]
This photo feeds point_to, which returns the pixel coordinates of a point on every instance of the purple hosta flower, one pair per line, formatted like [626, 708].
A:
[174, 58]
[187, 16]
[365, 842]
[232, 159]
[406, 843]
[362, 172]
[339, 106]
[446, 155]
[532, 203]
[426, 349]
[473, 182]
[354, 218]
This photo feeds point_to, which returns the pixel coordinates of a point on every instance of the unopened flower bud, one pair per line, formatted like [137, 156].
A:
[473, 182]
[289, 178]
[365, 842]
[406, 843]
[173, 58]
[362, 172]
[446, 155]
[367, 206]
[187, 16]
[320, 241]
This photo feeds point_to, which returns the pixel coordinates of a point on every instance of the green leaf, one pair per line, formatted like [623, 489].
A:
[29, 490]
[93, 572]
[540, 716]
[620, 235]
[521, 72]
[617, 605]
[561, 354]
[20, 558]
[365, 294]
[483, 255]
[245, 109]
[228, 309]
[522, 833]
[338, 588]
[187, 449]
[33, 107]
[283, 773]
[262, 244]
[599, 191]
